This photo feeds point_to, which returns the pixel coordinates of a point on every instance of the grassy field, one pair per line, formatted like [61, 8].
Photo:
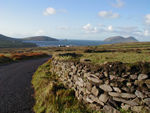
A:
[124, 52]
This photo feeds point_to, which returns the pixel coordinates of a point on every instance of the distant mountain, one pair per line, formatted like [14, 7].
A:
[8, 42]
[40, 38]
[120, 39]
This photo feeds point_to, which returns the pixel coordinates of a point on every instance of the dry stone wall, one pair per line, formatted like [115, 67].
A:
[101, 90]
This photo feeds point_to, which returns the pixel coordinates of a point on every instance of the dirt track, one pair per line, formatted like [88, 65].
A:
[15, 86]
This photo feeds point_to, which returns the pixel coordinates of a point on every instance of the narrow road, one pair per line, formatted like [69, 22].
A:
[15, 86]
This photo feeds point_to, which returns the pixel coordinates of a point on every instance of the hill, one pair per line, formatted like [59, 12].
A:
[8, 42]
[40, 38]
[120, 39]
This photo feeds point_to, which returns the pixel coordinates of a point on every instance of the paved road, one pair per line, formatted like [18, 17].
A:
[15, 86]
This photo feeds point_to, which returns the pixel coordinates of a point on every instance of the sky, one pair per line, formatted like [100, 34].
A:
[75, 19]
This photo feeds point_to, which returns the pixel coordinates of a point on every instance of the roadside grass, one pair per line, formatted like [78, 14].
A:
[52, 97]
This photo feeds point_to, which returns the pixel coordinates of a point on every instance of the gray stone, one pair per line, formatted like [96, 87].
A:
[129, 102]
[107, 82]
[94, 79]
[89, 86]
[109, 109]
[136, 82]
[86, 75]
[105, 74]
[92, 97]
[127, 95]
[95, 91]
[125, 89]
[103, 98]
[112, 77]
[125, 75]
[117, 89]
[147, 82]
[100, 102]
[106, 88]
[137, 109]
[114, 94]
[123, 95]
[87, 91]
[95, 99]
[147, 101]
[81, 84]
[129, 84]
[133, 77]
[89, 100]
[139, 94]
[142, 77]
[80, 97]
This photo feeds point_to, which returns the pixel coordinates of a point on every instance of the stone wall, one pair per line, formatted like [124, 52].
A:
[102, 90]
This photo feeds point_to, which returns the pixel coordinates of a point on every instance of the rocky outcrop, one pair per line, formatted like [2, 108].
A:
[104, 91]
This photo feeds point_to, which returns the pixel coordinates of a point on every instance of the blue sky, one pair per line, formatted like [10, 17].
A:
[75, 19]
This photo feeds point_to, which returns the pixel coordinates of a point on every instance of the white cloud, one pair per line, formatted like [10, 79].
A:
[88, 28]
[49, 11]
[118, 4]
[40, 32]
[110, 28]
[146, 33]
[108, 14]
[147, 19]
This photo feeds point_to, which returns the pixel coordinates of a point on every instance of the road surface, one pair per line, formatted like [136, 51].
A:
[16, 92]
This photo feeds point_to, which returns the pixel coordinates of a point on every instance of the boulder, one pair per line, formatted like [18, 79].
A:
[95, 91]
[133, 77]
[88, 86]
[105, 74]
[147, 101]
[104, 98]
[110, 109]
[139, 94]
[94, 79]
[137, 109]
[89, 100]
[79, 83]
[129, 102]
[106, 87]
[142, 77]
[117, 89]
[129, 84]
[122, 95]
[147, 82]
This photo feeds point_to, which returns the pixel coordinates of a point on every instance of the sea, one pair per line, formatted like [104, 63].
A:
[67, 43]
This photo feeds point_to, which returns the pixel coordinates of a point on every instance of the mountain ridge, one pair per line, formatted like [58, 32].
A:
[7, 42]
[120, 39]
[40, 38]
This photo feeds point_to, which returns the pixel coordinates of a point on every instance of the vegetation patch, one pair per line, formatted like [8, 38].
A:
[23, 56]
[51, 96]
[20, 56]
[4, 59]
